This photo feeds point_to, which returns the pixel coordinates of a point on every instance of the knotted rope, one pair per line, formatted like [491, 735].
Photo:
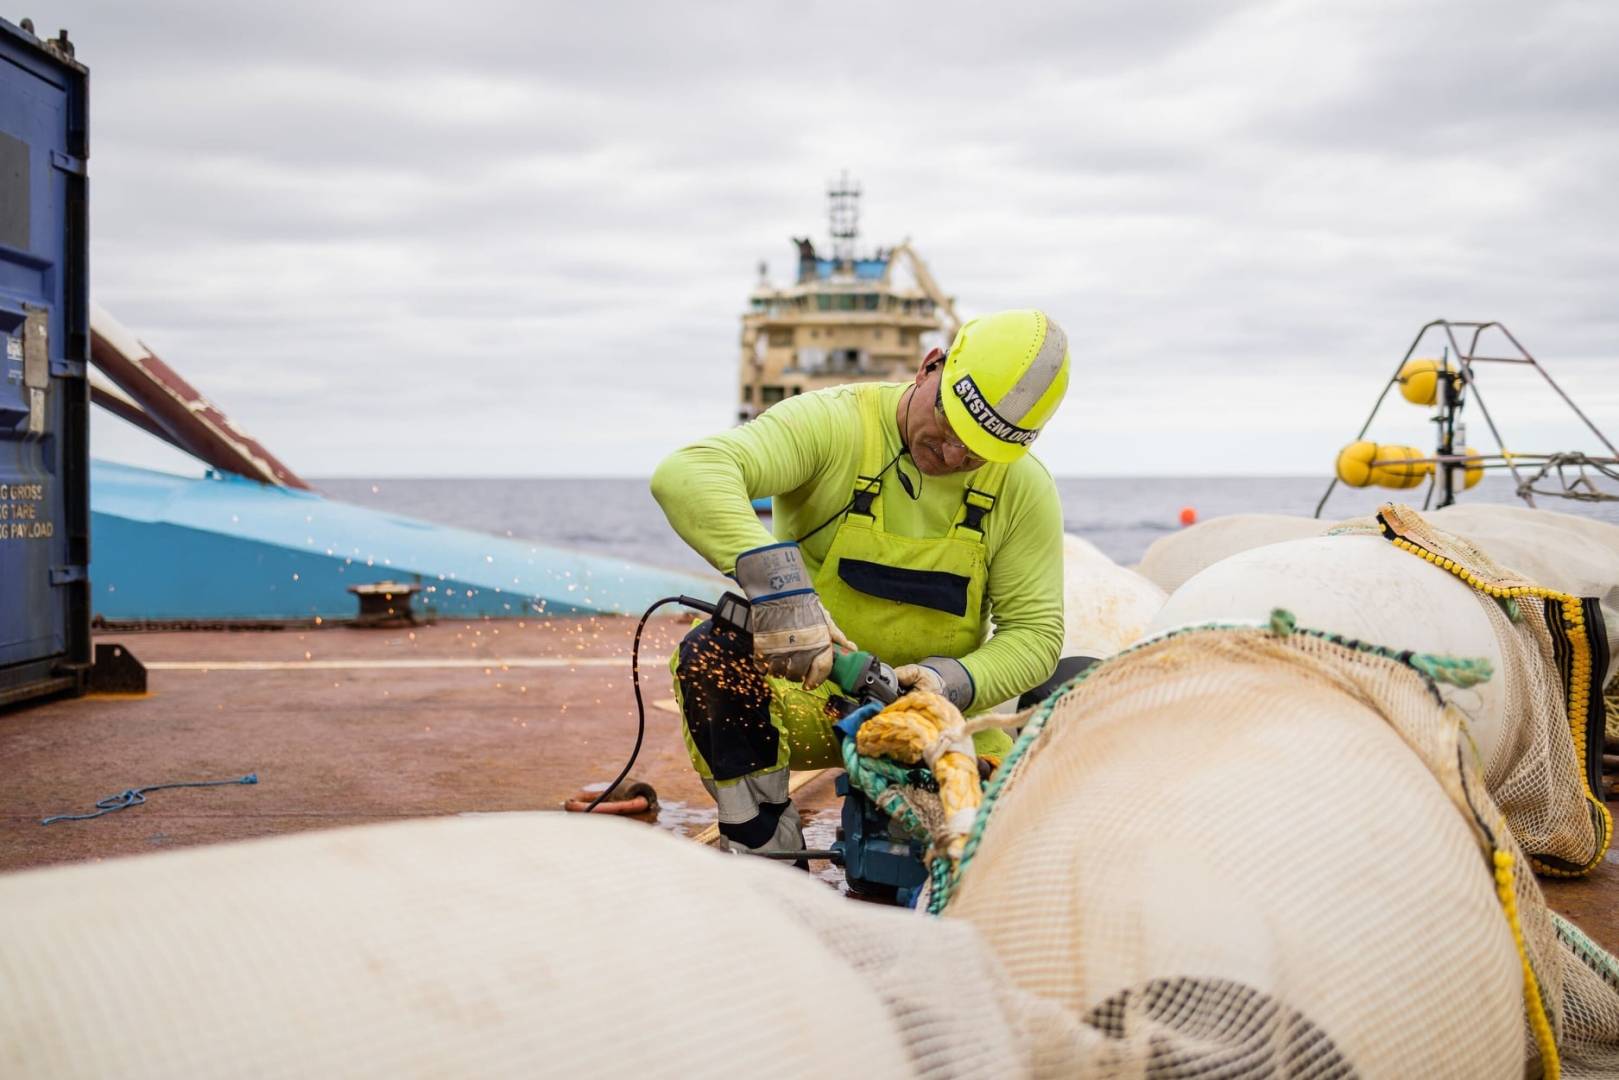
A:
[135, 796]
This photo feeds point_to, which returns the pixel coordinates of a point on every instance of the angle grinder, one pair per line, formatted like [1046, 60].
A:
[860, 674]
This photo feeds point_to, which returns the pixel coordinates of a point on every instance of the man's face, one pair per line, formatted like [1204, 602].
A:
[934, 447]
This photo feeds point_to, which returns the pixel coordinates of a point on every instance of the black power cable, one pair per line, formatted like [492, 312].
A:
[635, 681]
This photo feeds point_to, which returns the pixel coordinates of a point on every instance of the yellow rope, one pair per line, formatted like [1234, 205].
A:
[1579, 697]
[1505, 888]
[920, 726]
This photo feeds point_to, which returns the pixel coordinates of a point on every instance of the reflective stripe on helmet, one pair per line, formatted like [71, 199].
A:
[1029, 389]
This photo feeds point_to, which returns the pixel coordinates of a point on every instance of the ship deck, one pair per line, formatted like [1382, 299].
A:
[346, 727]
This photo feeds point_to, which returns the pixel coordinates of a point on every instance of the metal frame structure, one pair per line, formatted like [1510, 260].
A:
[1454, 393]
[843, 211]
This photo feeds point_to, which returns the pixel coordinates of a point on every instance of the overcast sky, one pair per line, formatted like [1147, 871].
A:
[479, 239]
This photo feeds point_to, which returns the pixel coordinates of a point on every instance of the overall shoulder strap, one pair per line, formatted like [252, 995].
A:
[978, 500]
[868, 487]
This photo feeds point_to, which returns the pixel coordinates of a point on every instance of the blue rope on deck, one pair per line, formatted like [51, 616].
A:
[136, 796]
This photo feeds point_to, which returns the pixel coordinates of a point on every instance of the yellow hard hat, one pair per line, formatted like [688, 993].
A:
[1004, 376]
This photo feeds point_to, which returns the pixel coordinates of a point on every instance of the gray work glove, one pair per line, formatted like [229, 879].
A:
[939, 675]
[792, 633]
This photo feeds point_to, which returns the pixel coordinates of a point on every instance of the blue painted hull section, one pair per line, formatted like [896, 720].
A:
[173, 547]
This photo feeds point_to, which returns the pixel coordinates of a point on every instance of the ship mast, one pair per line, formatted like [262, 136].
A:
[843, 212]
[844, 318]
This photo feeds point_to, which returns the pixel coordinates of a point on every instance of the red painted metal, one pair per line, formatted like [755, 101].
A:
[190, 421]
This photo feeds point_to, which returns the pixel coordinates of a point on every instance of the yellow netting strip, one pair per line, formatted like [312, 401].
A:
[1534, 1006]
[1397, 520]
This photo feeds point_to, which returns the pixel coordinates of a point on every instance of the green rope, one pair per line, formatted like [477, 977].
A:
[881, 780]
[1593, 955]
[939, 894]
[1455, 670]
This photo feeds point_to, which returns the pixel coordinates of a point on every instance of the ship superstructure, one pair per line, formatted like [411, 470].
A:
[847, 317]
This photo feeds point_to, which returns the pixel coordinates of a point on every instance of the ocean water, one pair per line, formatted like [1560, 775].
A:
[618, 517]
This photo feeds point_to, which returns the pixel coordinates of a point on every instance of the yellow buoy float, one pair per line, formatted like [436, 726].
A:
[1367, 464]
[1419, 380]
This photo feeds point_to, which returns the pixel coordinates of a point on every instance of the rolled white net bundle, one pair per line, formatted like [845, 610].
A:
[1544, 771]
[1172, 560]
[1254, 853]
[1571, 554]
[1536, 722]
[504, 945]
[1106, 607]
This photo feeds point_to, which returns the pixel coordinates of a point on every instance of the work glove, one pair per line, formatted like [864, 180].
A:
[942, 675]
[792, 633]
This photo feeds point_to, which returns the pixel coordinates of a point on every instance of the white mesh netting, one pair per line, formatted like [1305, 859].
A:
[500, 945]
[1544, 774]
[1228, 849]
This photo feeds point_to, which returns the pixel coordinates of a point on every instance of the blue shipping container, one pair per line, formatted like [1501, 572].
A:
[44, 395]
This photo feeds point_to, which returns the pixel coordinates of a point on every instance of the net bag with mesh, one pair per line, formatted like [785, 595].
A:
[1260, 851]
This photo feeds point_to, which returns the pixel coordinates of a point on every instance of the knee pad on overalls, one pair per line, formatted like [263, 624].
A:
[758, 812]
[725, 702]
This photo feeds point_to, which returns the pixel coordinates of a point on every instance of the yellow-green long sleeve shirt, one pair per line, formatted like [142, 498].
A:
[805, 452]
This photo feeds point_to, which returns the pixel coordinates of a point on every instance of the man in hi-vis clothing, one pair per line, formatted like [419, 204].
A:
[907, 517]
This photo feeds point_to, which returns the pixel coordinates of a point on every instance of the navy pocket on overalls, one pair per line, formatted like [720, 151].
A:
[935, 589]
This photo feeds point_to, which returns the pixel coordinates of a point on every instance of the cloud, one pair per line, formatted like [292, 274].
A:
[517, 238]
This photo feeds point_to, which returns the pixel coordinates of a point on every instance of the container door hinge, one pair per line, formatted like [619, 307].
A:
[64, 575]
[67, 163]
[36, 364]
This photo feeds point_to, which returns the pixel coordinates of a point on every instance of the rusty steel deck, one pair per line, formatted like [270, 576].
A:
[347, 726]
[343, 727]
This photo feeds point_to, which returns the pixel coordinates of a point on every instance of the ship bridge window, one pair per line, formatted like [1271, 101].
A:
[823, 302]
[769, 395]
[781, 337]
[869, 301]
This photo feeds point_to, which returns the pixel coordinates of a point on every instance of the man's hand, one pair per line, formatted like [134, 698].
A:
[821, 666]
[916, 677]
[792, 633]
[939, 675]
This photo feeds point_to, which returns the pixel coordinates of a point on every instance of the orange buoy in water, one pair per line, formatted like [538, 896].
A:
[1188, 516]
